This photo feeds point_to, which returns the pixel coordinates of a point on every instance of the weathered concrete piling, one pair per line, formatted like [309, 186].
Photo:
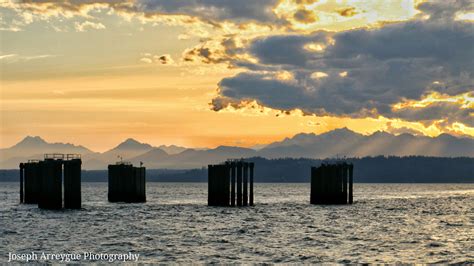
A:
[51, 184]
[72, 183]
[41, 182]
[329, 184]
[222, 180]
[127, 183]
[30, 176]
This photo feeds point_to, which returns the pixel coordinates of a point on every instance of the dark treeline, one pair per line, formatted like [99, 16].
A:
[379, 169]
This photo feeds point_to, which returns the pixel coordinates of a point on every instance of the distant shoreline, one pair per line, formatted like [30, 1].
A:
[412, 169]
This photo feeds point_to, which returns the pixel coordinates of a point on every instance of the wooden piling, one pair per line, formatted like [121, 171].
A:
[41, 182]
[111, 183]
[119, 189]
[137, 185]
[210, 183]
[325, 173]
[317, 185]
[30, 175]
[226, 178]
[245, 196]
[314, 186]
[251, 165]
[142, 184]
[121, 184]
[51, 185]
[239, 183]
[134, 181]
[351, 169]
[32, 182]
[21, 182]
[344, 183]
[220, 185]
[329, 184]
[127, 183]
[312, 191]
[222, 179]
[232, 182]
[332, 184]
[72, 184]
[225, 185]
[339, 199]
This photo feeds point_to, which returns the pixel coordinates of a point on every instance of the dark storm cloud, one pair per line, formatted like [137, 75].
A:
[215, 11]
[287, 49]
[268, 91]
[446, 10]
[242, 10]
[384, 66]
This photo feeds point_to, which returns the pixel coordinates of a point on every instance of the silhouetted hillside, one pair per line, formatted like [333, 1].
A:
[380, 169]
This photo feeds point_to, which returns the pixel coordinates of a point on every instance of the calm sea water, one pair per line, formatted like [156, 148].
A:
[388, 223]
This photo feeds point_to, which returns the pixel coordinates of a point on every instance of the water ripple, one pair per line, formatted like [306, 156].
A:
[387, 224]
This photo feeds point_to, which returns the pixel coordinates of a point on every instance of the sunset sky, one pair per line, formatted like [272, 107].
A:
[203, 73]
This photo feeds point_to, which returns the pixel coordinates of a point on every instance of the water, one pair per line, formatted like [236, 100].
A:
[388, 223]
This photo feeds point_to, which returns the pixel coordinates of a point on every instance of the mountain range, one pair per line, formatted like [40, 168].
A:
[337, 143]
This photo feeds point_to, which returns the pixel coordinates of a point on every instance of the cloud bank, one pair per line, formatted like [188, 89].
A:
[365, 72]
[420, 69]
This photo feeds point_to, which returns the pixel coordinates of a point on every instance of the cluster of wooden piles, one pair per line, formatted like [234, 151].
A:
[41, 182]
[223, 179]
[126, 183]
[331, 184]
[229, 183]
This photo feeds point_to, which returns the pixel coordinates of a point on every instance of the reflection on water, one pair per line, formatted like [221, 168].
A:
[387, 223]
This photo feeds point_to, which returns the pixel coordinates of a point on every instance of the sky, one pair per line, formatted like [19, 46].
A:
[204, 73]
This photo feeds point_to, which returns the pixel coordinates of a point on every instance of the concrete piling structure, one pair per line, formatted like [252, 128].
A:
[41, 182]
[210, 185]
[72, 183]
[126, 183]
[245, 196]
[233, 168]
[329, 184]
[312, 193]
[218, 187]
[251, 184]
[21, 182]
[31, 181]
[51, 185]
[351, 170]
[222, 179]
[239, 183]
[226, 184]
[344, 182]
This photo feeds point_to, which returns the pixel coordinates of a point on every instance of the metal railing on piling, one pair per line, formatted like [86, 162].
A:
[222, 182]
[330, 182]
